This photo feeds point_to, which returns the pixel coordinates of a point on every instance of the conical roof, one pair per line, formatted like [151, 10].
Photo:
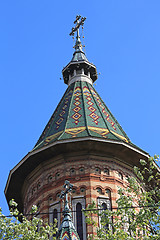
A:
[81, 111]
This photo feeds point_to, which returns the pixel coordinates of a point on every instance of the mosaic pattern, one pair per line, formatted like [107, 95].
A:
[75, 131]
[74, 237]
[86, 92]
[63, 111]
[103, 109]
[91, 108]
[81, 113]
[101, 131]
[76, 116]
[52, 137]
[65, 236]
[95, 117]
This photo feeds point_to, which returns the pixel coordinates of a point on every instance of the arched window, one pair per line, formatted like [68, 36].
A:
[39, 185]
[104, 203]
[54, 211]
[58, 195]
[104, 207]
[34, 190]
[108, 193]
[78, 216]
[81, 170]
[82, 190]
[98, 170]
[57, 175]
[99, 190]
[120, 175]
[50, 178]
[50, 199]
[106, 171]
[73, 190]
[79, 220]
[127, 178]
[72, 171]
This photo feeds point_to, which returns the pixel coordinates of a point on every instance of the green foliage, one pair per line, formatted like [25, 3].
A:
[138, 213]
[35, 229]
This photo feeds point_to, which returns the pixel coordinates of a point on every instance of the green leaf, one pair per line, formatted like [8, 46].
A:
[142, 162]
[150, 178]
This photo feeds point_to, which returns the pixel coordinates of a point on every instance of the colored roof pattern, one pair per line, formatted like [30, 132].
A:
[81, 113]
[67, 230]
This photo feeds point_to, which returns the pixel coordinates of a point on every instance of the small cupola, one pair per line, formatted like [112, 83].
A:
[79, 68]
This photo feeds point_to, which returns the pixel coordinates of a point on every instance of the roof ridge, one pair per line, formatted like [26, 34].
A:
[50, 120]
[84, 109]
[68, 110]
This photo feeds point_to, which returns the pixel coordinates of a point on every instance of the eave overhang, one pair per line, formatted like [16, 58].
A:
[77, 65]
[130, 155]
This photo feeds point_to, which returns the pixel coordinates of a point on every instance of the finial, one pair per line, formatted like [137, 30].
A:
[64, 196]
[79, 22]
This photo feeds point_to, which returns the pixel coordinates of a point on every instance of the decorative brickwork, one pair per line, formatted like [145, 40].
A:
[82, 143]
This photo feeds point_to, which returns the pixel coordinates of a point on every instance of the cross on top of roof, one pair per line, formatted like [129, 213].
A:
[80, 22]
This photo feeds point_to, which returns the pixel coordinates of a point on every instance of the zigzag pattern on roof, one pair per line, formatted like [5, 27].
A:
[81, 113]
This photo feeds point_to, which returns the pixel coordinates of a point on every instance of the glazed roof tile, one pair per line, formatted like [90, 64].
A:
[81, 113]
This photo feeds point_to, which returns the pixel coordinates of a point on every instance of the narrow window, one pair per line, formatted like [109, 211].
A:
[50, 178]
[108, 193]
[97, 170]
[55, 215]
[79, 220]
[55, 218]
[106, 171]
[120, 175]
[39, 185]
[50, 199]
[73, 190]
[81, 170]
[58, 195]
[104, 204]
[78, 216]
[33, 191]
[72, 172]
[104, 207]
[57, 175]
[82, 190]
[99, 190]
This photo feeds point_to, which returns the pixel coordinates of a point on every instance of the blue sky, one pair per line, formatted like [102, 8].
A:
[122, 39]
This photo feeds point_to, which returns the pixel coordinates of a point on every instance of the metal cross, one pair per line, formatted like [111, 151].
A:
[80, 22]
[68, 188]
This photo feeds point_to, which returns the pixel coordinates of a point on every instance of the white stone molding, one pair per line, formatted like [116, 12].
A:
[80, 78]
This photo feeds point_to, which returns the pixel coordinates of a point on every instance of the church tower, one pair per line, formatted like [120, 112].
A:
[82, 143]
